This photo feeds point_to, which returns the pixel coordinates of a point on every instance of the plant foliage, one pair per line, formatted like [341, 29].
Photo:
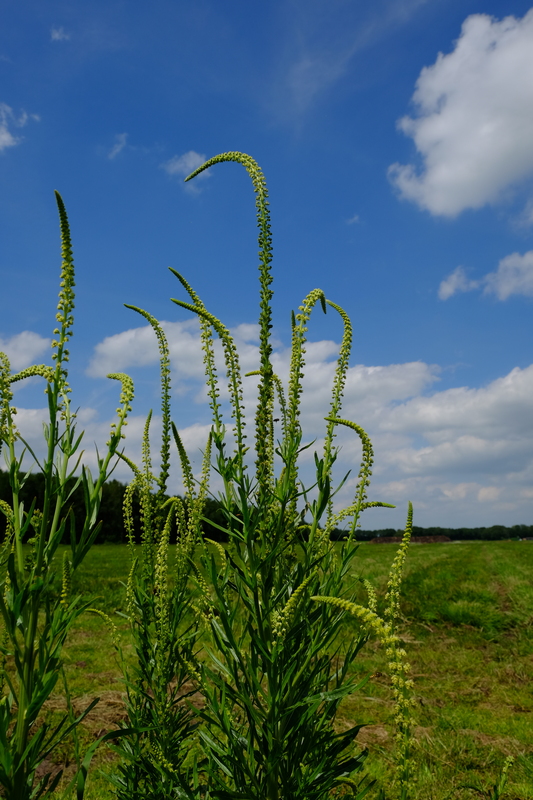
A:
[240, 625]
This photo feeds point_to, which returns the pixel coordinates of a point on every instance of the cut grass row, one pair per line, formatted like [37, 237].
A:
[468, 611]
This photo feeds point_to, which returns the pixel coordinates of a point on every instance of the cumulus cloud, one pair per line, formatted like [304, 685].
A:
[473, 126]
[503, 406]
[59, 34]
[137, 347]
[121, 139]
[462, 455]
[24, 348]
[513, 276]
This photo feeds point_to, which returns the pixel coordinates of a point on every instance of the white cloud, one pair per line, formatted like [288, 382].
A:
[513, 276]
[353, 220]
[24, 348]
[185, 164]
[456, 282]
[9, 120]
[473, 126]
[59, 35]
[121, 139]
[501, 408]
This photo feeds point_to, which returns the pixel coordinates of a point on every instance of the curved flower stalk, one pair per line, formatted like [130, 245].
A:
[206, 339]
[339, 382]
[186, 469]
[293, 429]
[264, 465]
[299, 338]
[164, 366]
[363, 483]
[392, 597]
[231, 358]
[41, 370]
[266, 477]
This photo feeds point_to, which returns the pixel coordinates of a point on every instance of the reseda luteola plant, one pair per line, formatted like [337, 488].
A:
[254, 628]
[36, 617]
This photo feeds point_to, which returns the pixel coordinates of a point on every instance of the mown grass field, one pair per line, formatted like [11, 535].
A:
[467, 626]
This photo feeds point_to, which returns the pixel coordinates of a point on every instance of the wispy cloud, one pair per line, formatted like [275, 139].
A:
[513, 276]
[9, 120]
[121, 140]
[320, 43]
[185, 164]
[455, 283]
[59, 34]
[353, 220]
[181, 166]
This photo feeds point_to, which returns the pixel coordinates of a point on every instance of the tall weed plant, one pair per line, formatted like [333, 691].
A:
[36, 606]
[242, 653]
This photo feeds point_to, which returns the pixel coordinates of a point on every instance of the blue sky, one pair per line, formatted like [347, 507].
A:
[397, 143]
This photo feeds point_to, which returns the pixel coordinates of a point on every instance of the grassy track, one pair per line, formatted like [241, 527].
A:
[468, 610]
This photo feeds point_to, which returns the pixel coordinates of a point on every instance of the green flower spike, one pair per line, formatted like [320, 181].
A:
[264, 463]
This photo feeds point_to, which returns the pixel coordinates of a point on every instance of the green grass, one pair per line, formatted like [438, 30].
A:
[468, 610]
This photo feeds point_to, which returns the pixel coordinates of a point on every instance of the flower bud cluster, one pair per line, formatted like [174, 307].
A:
[8, 432]
[372, 597]
[339, 381]
[392, 597]
[109, 622]
[7, 511]
[193, 669]
[160, 758]
[164, 366]
[126, 397]
[206, 338]
[66, 582]
[297, 355]
[282, 620]
[130, 590]
[4, 641]
[161, 586]
[220, 550]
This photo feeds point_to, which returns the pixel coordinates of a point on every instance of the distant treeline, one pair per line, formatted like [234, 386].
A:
[112, 529]
[110, 515]
[492, 533]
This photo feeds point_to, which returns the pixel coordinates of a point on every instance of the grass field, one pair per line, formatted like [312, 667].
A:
[467, 616]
